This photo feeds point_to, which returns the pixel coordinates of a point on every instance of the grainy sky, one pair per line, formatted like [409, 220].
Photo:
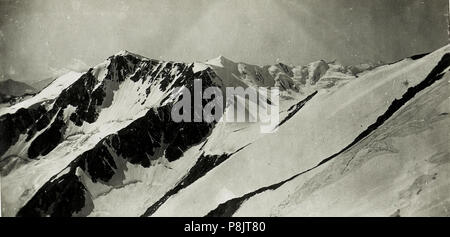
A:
[39, 37]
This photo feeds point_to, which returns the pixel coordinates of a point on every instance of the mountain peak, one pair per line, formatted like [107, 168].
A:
[125, 52]
[122, 52]
[220, 61]
[15, 88]
[224, 59]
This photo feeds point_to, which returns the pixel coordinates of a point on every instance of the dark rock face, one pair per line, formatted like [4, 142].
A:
[62, 196]
[87, 95]
[35, 118]
[84, 97]
[204, 164]
[295, 108]
[12, 125]
[49, 139]
[286, 69]
[419, 56]
[137, 143]
[143, 140]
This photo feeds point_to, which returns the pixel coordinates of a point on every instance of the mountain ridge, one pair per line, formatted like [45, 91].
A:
[102, 142]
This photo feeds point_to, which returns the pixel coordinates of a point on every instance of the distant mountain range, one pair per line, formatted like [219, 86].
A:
[12, 91]
[15, 88]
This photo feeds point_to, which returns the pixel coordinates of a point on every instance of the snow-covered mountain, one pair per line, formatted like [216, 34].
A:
[12, 92]
[15, 88]
[350, 142]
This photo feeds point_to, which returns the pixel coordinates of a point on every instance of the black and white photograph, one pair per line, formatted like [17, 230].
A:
[224, 108]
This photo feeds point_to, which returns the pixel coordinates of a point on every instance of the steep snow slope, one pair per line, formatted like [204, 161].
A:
[401, 169]
[46, 95]
[41, 84]
[324, 126]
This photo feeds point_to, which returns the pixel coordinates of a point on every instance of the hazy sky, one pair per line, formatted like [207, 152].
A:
[41, 36]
